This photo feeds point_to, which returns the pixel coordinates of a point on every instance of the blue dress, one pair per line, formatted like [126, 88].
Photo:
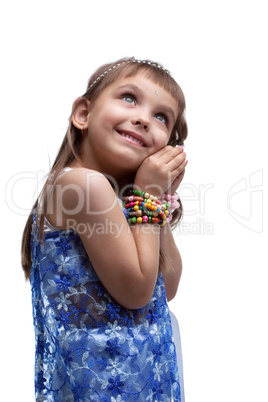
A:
[88, 347]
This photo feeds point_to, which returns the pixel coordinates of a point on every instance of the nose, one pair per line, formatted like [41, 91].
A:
[141, 119]
[145, 126]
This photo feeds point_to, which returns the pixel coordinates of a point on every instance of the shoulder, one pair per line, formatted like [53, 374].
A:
[82, 176]
[82, 190]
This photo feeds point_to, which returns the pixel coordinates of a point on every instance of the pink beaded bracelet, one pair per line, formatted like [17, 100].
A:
[172, 201]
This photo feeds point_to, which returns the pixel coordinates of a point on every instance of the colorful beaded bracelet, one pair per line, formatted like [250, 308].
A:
[142, 207]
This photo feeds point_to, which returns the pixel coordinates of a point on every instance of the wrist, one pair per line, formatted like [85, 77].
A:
[142, 207]
[154, 189]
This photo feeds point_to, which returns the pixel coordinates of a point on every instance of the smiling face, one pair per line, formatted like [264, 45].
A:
[131, 119]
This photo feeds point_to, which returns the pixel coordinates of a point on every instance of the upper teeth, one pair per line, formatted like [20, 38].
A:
[132, 138]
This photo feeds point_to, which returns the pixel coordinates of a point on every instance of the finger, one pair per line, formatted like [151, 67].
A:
[176, 161]
[177, 171]
[177, 182]
[168, 153]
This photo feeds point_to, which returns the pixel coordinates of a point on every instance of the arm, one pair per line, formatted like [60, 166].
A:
[169, 250]
[173, 274]
[126, 259]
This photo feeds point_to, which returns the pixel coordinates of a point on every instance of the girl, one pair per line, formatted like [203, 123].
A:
[100, 279]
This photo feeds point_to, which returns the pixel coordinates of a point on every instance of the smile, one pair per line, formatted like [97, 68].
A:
[130, 137]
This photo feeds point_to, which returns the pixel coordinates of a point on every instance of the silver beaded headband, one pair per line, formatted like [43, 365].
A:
[150, 63]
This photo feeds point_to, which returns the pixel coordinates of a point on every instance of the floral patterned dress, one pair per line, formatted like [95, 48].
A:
[88, 347]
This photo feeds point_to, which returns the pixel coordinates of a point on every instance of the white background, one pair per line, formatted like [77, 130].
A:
[217, 51]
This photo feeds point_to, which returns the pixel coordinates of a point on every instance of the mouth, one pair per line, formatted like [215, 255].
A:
[131, 137]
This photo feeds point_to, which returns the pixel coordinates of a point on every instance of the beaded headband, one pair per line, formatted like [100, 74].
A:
[150, 63]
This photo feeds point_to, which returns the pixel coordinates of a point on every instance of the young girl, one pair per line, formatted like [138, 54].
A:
[101, 271]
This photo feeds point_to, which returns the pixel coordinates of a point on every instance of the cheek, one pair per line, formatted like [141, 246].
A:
[112, 116]
[161, 139]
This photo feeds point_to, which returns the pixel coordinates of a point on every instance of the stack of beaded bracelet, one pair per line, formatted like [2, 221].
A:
[142, 207]
[172, 201]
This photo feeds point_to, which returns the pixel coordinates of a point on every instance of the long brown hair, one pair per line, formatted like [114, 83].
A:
[70, 147]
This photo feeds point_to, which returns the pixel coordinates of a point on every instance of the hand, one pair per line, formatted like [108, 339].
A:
[172, 189]
[158, 171]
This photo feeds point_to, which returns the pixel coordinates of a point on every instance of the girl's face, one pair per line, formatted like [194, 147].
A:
[130, 120]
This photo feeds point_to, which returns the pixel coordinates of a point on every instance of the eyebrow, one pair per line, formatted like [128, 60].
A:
[165, 107]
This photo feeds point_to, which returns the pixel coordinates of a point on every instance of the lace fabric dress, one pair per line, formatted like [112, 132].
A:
[88, 347]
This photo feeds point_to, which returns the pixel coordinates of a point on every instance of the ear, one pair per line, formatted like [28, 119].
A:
[80, 113]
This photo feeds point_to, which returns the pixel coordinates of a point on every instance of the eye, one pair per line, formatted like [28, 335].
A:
[162, 117]
[129, 98]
